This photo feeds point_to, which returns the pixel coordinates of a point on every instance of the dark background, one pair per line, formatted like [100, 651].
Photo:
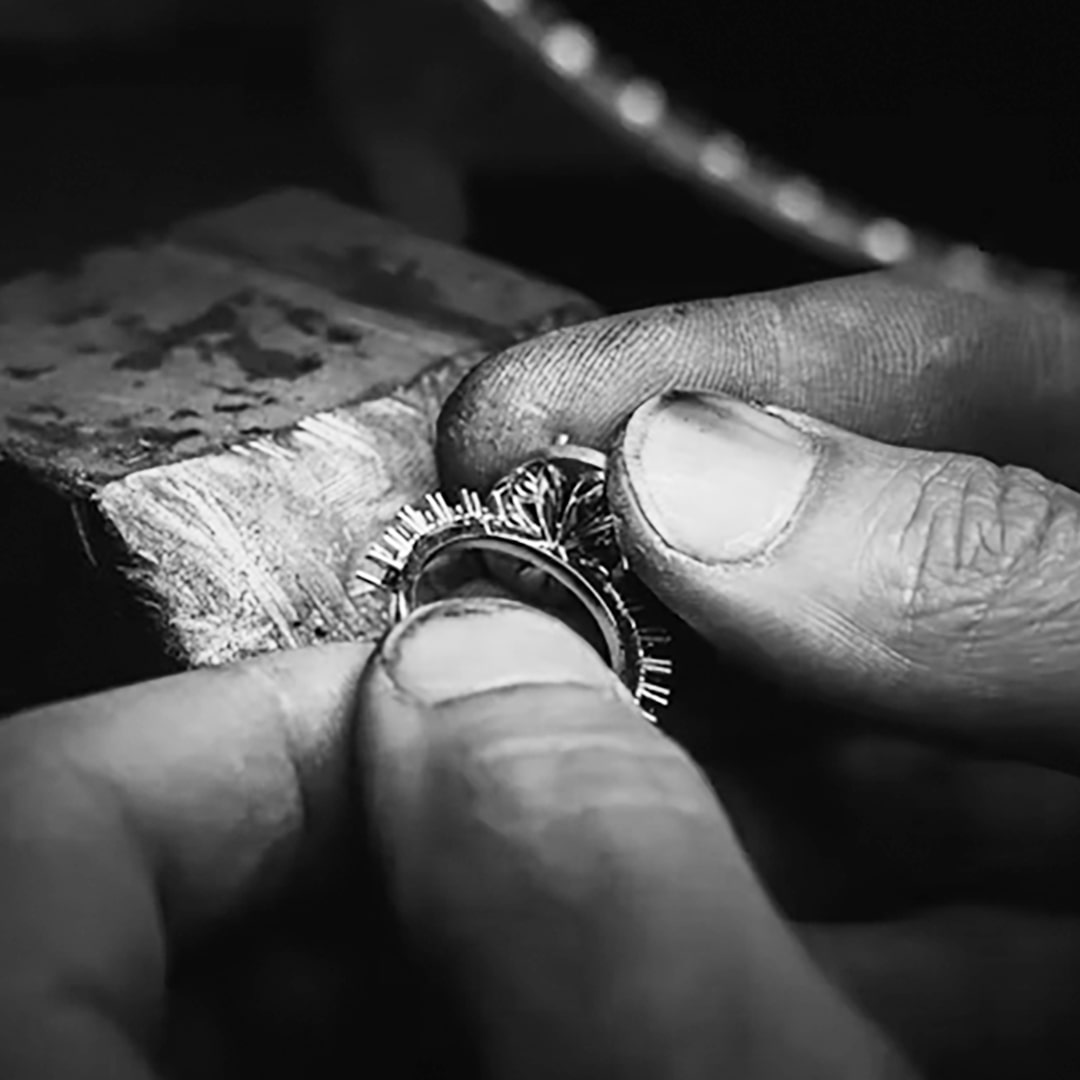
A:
[959, 122]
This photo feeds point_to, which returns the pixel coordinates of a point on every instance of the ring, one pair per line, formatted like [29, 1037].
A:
[547, 525]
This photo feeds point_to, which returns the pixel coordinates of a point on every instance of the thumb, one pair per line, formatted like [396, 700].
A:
[932, 586]
[568, 872]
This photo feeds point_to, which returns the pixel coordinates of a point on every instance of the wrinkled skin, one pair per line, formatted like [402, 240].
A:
[921, 620]
[855, 858]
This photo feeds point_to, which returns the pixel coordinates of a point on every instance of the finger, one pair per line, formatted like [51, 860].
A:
[876, 354]
[147, 815]
[569, 872]
[935, 588]
[967, 991]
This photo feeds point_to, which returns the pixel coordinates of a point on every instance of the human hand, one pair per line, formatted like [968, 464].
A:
[901, 884]
[181, 880]
[179, 859]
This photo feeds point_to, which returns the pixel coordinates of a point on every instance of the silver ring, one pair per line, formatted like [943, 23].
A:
[549, 517]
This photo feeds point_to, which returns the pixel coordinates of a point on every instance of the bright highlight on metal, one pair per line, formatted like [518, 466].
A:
[550, 516]
[714, 158]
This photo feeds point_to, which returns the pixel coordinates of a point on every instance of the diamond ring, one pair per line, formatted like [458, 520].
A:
[547, 530]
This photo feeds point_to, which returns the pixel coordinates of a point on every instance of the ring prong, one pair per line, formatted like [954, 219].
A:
[552, 515]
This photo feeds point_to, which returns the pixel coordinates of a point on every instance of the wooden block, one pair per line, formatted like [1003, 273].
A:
[200, 434]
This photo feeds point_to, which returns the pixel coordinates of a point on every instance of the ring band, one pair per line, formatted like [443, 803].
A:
[551, 515]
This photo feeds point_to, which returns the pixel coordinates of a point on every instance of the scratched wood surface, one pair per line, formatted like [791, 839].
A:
[201, 433]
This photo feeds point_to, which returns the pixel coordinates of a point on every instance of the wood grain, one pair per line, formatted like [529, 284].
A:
[200, 434]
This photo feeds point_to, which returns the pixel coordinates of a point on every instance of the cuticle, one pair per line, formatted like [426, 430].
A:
[454, 608]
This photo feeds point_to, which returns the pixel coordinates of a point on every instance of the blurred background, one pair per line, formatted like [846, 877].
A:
[119, 116]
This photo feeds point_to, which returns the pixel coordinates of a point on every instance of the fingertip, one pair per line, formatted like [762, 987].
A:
[517, 401]
[462, 648]
[487, 425]
[459, 449]
[455, 677]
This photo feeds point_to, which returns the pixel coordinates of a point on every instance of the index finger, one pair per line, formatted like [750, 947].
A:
[877, 354]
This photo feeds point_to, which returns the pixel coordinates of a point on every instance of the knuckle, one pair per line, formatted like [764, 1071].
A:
[973, 537]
